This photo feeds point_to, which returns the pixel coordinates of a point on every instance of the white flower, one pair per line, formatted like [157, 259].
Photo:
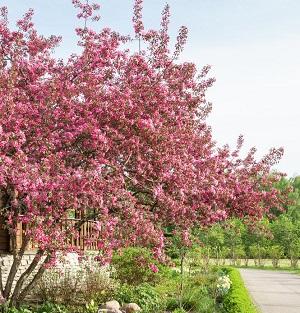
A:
[223, 284]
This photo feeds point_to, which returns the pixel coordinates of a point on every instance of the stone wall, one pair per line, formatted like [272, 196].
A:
[69, 261]
[6, 262]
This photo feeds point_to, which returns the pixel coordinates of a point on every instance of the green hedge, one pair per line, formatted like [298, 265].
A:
[237, 299]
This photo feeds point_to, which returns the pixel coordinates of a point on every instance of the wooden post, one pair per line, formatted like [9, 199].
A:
[19, 235]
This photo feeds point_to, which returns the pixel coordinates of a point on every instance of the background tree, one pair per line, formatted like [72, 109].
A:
[284, 232]
[213, 237]
[294, 196]
[274, 236]
[257, 233]
[234, 231]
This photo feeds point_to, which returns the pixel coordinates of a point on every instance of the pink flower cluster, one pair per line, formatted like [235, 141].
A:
[153, 268]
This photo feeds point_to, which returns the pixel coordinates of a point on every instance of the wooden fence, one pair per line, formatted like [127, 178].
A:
[83, 240]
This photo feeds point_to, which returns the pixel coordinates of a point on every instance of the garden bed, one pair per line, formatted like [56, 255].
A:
[136, 277]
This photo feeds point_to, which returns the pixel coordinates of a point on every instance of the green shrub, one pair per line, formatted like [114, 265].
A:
[172, 304]
[135, 266]
[148, 299]
[144, 295]
[193, 300]
[124, 294]
[237, 300]
[198, 299]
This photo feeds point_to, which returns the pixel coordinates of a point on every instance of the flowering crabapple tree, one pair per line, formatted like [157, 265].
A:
[118, 136]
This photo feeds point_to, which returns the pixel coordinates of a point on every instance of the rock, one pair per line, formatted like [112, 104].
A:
[111, 305]
[131, 308]
[109, 311]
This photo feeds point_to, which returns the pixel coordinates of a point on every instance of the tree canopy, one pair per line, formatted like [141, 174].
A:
[119, 136]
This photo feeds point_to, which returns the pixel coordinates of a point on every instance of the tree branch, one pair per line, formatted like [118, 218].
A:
[34, 280]
[1, 281]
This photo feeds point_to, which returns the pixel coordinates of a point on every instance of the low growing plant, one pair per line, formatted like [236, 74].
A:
[144, 295]
[91, 307]
[49, 307]
[46, 307]
[179, 310]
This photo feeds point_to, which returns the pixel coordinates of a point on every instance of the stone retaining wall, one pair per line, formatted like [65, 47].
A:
[70, 261]
[6, 261]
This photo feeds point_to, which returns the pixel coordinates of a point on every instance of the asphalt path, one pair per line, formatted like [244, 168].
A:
[273, 291]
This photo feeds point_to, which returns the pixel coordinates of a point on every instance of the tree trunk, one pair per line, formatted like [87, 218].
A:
[17, 258]
[1, 281]
[24, 276]
[181, 282]
[30, 286]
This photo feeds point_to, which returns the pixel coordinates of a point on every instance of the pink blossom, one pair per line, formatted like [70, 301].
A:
[153, 268]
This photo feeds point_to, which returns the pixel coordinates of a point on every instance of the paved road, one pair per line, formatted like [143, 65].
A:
[273, 291]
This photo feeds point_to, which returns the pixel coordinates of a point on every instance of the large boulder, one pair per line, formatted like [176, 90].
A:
[111, 305]
[130, 308]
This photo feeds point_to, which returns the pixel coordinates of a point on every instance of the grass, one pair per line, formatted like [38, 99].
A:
[271, 268]
[285, 263]
[238, 299]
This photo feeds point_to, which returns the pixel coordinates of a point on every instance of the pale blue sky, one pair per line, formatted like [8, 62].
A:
[253, 46]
